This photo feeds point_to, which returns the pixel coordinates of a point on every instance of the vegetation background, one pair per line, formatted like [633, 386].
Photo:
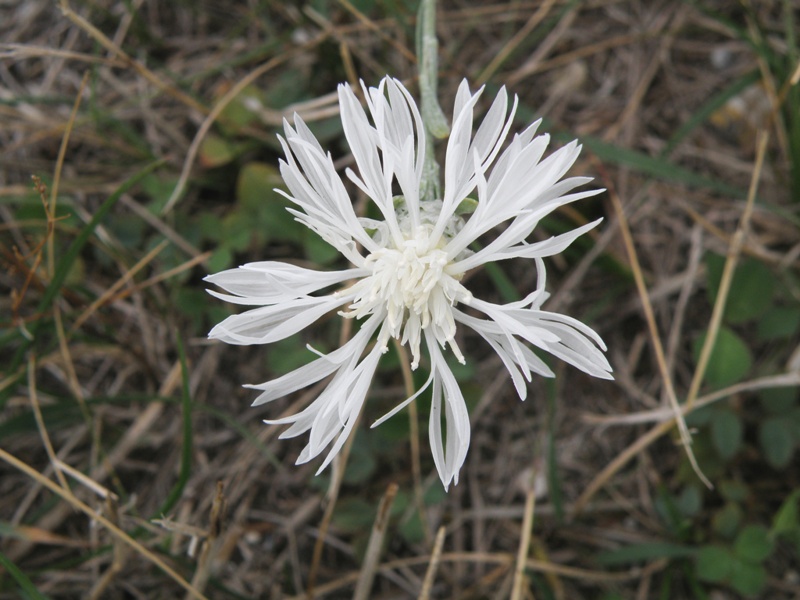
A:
[138, 153]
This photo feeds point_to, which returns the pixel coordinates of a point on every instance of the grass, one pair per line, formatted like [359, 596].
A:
[131, 461]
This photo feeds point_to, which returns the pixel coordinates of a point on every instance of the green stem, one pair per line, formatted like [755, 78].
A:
[432, 116]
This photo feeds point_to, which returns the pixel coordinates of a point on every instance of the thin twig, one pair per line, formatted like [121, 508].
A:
[413, 433]
[68, 497]
[212, 116]
[655, 416]
[162, 276]
[515, 41]
[62, 152]
[686, 438]
[660, 429]
[433, 565]
[109, 293]
[120, 554]
[37, 413]
[69, 366]
[498, 558]
[524, 542]
[377, 29]
[734, 250]
[373, 553]
[114, 49]
[339, 466]
[211, 544]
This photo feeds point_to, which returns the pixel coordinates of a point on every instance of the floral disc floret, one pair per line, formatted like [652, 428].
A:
[416, 284]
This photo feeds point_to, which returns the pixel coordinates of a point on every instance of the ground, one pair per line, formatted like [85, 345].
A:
[139, 154]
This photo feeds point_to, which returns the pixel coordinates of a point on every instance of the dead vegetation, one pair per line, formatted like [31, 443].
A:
[132, 465]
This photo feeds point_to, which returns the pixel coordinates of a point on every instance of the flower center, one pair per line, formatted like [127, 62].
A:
[417, 290]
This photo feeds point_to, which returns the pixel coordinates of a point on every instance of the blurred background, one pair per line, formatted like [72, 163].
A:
[138, 153]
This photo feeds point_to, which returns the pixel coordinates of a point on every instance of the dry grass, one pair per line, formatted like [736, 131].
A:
[131, 471]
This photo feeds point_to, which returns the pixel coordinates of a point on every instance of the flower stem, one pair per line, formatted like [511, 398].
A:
[413, 426]
[432, 116]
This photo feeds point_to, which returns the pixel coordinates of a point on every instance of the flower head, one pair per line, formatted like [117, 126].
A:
[405, 280]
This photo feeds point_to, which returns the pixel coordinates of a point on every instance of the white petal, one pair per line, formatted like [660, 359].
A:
[315, 186]
[510, 365]
[271, 282]
[520, 141]
[548, 247]
[335, 411]
[461, 169]
[357, 394]
[361, 139]
[317, 369]
[520, 228]
[560, 335]
[448, 459]
[272, 323]
[403, 404]
[375, 178]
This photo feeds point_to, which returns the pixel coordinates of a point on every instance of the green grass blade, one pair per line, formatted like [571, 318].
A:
[64, 265]
[502, 282]
[654, 166]
[644, 552]
[657, 167]
[553, 473]
[186, 445]
[66, 262]
[704, 112]
[26, 585]
[235, 425]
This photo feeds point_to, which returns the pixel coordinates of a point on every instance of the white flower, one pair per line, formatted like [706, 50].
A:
[407, 267]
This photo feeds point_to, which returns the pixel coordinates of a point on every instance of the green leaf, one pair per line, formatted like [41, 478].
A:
[748, 579]
[701, 416]
[726, 520]
[502, 282]
[262, 207]
[434, 495]
[753, 544]
[777, 441]
[793, 419]
[318, 250]
[159, 188]
[411, 529]
[467, 206]
[690, 500]
[221, 259]
[726, 433]
[752, 288]
[215, 151]
[778, 401]
[240, 112]
[730, 360]
[238, 231]
[714, 564]
[779, 322]
[354, 515]
[288, 354]
[734, 491]
[254, 184]
[362, 464]
[787, 519]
